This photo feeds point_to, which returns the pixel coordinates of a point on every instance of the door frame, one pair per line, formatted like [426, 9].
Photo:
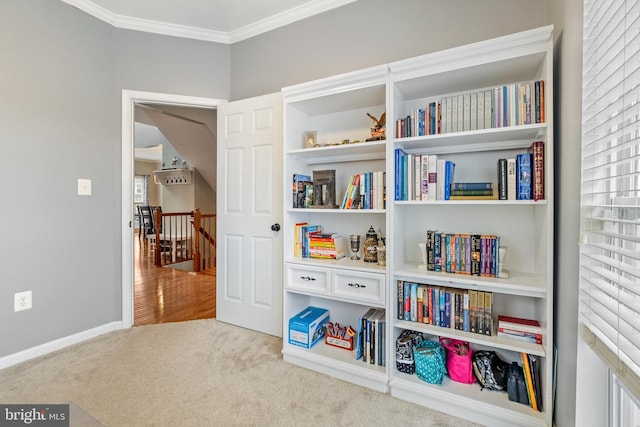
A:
[129, 99]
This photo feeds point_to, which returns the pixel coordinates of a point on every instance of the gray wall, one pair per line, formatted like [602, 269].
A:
[371, 32]
[61, 76]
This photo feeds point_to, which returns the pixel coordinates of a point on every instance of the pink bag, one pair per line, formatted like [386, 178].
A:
[459, 360]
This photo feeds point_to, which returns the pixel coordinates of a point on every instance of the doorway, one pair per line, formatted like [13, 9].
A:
[129, 100]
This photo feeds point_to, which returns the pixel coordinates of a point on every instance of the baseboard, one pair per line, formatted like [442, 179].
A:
[41, 350]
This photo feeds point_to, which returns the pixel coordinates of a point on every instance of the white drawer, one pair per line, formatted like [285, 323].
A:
[308, 279]
[358, 286]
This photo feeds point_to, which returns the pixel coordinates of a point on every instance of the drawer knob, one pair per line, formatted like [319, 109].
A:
[307, 278]
[357, 285]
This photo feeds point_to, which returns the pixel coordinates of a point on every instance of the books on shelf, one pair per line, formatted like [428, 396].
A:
[531, 369]
[326, 246]
[371, 339]
[512, 104]
[520, 329]
[445, 307]
[463, 253]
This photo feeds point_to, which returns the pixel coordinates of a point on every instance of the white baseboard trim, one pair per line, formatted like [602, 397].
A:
[41, 350]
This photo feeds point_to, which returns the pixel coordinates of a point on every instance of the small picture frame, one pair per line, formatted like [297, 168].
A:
[310, 139]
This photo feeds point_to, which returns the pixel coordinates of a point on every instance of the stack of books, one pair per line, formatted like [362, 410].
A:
[516, 328]
[326, 245]
[473, 191]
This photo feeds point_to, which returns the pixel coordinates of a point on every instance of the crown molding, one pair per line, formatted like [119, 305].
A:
[276, 21]
[287, 17]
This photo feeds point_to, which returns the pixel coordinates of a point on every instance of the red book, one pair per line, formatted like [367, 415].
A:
[537, 178]
[519, 324]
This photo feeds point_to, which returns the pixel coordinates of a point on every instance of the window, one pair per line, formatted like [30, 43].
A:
[625, 411]
[610, 196]
[140, 195]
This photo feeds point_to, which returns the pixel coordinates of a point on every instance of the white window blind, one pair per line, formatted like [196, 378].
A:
[610, 208]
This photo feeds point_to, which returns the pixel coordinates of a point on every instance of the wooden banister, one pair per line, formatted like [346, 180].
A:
[183, 230]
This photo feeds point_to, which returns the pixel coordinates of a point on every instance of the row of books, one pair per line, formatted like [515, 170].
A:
[422, 176]
[371, 339]
[507, 105]
[465, 310]
[517, 328]
[533, 379]
[365, 191]
[311, 242]
[463, 253]
[522, 177]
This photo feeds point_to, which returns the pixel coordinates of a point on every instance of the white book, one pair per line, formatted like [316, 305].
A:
[511, 179]
[454, 114]
[417, 179]
[460, 113]
[432, 164]
[449, 115]
[480, 118]
[441, 164]
[466, 107]
[488, 109]
[473, 116]
[424, 177]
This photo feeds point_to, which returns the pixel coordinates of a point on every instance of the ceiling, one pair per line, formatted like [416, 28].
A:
[223, 21]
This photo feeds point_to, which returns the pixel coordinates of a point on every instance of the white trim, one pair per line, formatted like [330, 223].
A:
[42, 349]
[276, 21]
[129, 98]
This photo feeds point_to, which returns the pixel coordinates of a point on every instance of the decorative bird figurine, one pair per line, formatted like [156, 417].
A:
[379, 122]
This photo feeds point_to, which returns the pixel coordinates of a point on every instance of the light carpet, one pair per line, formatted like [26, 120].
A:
[200, 373]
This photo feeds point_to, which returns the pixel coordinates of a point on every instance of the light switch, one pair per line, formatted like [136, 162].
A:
[84, 187]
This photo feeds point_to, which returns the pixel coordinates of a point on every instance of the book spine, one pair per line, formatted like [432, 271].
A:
[537, 149]
[432, 166]
[472, 186]
[488, 313]
[473, 311]
[502, 179]
[413, 310]
[437, 252]
[420, 304]
[448, 178]
[407, 301]
[511, 179]
[400, 305]
[523, 176]
[471, 193]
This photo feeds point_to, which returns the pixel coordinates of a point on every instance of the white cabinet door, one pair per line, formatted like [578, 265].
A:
[249, 199]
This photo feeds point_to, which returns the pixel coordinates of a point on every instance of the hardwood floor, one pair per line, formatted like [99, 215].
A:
[164, 294]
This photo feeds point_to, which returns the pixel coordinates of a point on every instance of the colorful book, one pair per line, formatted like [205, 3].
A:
[300, 182]
[537, 173]
[523, 176]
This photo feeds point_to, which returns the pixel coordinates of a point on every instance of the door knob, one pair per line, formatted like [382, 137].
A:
[275, 227]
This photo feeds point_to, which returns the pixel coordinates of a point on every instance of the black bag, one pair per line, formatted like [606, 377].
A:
[404, 351]
[490, 370]
[516, 384]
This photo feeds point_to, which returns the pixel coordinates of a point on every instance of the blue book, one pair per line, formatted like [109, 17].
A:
[437, 252]
[449, 170]
[407, 301]
[399, 154]
[465, 311]
[447, 309]
[414, 302]
[442, 305]
[523, 176]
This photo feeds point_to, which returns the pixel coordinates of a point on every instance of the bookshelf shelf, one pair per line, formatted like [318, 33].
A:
[337, 108]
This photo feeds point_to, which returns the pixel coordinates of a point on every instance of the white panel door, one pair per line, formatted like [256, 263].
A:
[249, 271]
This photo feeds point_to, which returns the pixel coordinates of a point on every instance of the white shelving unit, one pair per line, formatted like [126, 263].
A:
[524, 226]
[336, 108]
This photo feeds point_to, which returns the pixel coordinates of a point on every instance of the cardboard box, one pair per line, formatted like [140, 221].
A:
[305, 328]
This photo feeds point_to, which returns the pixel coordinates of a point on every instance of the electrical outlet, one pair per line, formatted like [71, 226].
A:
[22, 301]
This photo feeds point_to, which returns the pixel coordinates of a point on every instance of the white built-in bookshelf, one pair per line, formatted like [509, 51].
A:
[336, 109]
